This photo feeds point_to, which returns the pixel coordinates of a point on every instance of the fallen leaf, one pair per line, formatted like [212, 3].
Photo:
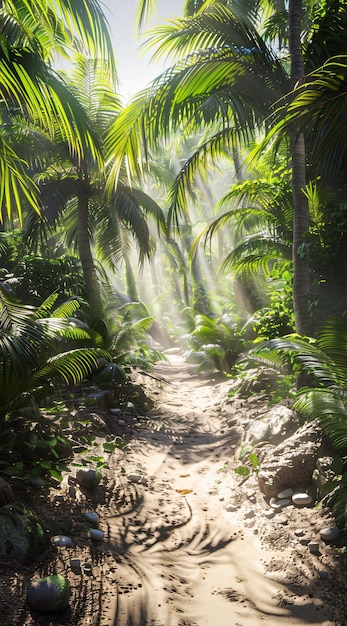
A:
[183, 492]
[184, 475]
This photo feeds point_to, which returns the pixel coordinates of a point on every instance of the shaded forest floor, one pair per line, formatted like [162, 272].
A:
[186, 539]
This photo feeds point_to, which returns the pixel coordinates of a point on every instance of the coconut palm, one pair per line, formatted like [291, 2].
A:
[226, 79]
[101, 225]
[32, 34]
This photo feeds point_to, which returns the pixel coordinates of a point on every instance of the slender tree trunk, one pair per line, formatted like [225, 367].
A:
[132, 290]
[301, 267]
[86, 257]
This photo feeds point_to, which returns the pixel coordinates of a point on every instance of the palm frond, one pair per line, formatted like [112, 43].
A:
[71, 367]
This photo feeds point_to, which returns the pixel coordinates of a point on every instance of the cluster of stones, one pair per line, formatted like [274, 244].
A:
[52, 593]
[287, 496]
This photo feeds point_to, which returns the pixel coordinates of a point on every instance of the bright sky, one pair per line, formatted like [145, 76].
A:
[133, 69]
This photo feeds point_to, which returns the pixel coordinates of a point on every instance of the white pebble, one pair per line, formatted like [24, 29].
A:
[269, 513]
[280, 504]
[285, 493]
[62, 540]
[231, 508]
[301, 499]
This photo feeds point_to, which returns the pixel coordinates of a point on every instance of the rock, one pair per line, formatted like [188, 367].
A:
[63, 541]
[88, 478]
[323, 574]
[231, 508]
[269, 513]
[280, 504]
[291, 463]
[329, 534]
[313, 547]
[75, 564]
[88, 568]
[285, 493]
[21, 534]
[136, 478]
[49, 594]
[258, 431]
[96, 534]
[91, 517]
[302, 499]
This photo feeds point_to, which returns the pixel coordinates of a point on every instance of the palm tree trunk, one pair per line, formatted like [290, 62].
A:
[301, 267]
[86, 257]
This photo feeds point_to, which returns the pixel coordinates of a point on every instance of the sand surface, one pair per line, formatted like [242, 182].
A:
[173, 555]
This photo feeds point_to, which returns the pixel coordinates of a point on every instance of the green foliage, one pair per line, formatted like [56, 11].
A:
[253, 466]
[215, 343]
[129, 341]
[277, 319]
[31, 364]
[324, 361]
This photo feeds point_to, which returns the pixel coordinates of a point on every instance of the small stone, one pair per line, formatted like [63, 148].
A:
[91, 517]
[88, 478]
[285, 493]
[38, 482]
[115, 411]
[323, 574]
[136, 478]
[121, 422]
[49, 594]
[330, 534]
[249, 514]
[269, 513]
[62, 541]
[301, 499]
[280, 504]
[75, 564]
[231, 508]
[232, 422]
[304, 541]
[298, 532]
[87, 567]
[313, 547]
[96, 534]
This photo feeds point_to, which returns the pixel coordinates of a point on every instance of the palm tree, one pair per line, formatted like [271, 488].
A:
[301, 268]
[32, 34]
[227, 79]
[100, 225]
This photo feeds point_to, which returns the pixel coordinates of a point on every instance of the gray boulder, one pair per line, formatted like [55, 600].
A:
[291, 463]
[273, 426]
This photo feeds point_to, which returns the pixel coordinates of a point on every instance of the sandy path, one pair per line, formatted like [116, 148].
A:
[176, 557]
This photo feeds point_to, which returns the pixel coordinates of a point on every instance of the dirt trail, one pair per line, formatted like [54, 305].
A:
[173, 555]
[182, 559]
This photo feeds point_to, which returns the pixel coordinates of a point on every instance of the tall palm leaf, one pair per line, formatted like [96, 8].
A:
[29, 87]
[223, 56]
[100, 225]
[30, 360]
